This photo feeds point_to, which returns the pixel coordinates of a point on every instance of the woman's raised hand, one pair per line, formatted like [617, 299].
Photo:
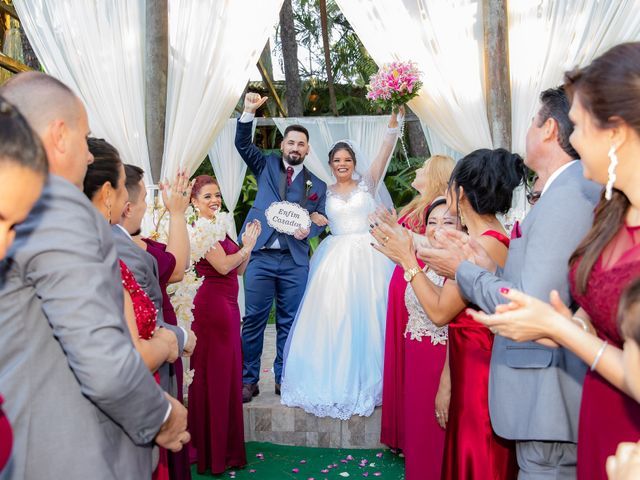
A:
[397, 117]
[176, 195]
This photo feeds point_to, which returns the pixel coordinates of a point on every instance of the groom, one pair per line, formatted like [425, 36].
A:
[279, 262]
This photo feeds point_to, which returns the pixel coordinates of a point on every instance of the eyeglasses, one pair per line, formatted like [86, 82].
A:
[533, 197]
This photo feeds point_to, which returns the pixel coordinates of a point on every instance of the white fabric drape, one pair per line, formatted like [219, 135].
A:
[365, 131]
[445, 39]
[96, 48]
[228, 166]
[548, 37]
[214, 47]
[437, 146]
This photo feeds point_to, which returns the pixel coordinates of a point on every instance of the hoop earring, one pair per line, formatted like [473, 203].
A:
[611, 171]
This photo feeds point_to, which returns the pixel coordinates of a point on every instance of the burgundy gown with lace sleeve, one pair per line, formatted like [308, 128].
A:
[607, 415]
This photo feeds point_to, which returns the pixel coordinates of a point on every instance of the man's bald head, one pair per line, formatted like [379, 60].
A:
[57, 115]
[41, 99]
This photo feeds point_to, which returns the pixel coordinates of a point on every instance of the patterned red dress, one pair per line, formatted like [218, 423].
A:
[472, 449]
[607, 416]
[146, 316]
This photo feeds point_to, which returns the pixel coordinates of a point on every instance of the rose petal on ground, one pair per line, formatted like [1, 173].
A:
[379, 454]
[295, 470]
[344, 474]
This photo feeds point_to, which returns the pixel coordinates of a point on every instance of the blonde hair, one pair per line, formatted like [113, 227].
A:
[438, 170]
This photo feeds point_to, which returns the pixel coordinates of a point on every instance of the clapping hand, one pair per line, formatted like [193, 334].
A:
[394, 244]
[251, 234]
[253, 101]
[176, 195]
[524, 318]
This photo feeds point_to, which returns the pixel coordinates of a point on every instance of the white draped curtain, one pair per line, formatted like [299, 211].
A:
[228, 166]
[97, 49]
[367, 132]
[445, 40]
[548, 37]
[214, 46]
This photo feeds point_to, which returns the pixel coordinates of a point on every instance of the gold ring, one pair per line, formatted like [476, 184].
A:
[385, 239]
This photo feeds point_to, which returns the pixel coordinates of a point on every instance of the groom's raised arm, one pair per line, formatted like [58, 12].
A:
[251, 154]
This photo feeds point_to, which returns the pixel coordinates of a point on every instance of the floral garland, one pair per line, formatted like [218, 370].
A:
[203, 235]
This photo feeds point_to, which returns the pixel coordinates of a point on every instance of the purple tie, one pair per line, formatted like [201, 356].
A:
[289, 176]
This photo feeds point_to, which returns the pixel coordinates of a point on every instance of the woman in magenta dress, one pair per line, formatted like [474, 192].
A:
[472, 450]
[606, 111]
[430, 181]
[215, 395]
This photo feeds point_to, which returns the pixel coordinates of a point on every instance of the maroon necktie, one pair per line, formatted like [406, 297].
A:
[289, 176]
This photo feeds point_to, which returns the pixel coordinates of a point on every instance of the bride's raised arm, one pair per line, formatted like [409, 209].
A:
[388, 143]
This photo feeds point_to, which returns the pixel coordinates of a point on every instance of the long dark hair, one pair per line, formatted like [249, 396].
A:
[609, 90]
[104, 168]
[19, 144]
[488, 178]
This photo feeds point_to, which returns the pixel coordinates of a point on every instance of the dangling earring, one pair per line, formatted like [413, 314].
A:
[613, 163]
[462, 219]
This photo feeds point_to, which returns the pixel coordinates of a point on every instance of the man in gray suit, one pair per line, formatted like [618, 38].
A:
[535, 391]
[81, 402]
[145, 268]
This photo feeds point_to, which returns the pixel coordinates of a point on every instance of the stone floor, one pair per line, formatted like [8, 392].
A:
[267, 420]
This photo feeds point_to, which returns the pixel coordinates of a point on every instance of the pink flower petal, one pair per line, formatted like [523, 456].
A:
[252, 470]
[365, 474]
[295, 470]
[377, 474]
[379, 454]
[343, 461]
[349, 457]
[303, 461]
[325, 470]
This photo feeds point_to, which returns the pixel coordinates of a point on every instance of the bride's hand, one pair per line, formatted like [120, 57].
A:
[397, 117]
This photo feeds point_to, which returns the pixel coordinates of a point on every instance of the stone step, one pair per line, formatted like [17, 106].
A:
[267, 420]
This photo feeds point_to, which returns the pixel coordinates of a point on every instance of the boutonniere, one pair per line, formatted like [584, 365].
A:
[307, 187]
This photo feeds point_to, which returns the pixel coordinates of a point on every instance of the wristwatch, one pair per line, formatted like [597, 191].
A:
[412, 272]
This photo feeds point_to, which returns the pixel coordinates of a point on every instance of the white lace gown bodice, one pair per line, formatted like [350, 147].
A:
[419, 324]
[334, 353]
[348, 213]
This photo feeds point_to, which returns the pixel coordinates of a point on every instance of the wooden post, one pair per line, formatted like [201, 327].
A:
[498, 82]
[156, 66]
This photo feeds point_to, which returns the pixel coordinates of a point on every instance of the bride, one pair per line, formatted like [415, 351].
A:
[334, 353]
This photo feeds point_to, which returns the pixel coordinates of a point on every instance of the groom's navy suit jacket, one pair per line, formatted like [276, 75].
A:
[271, 177]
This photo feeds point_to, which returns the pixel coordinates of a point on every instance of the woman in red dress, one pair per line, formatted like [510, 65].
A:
[430, 181]
[28, 168]
[472, 450]
[606, 111]
[215, 395]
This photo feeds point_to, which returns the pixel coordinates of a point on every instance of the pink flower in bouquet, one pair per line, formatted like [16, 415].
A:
[395, 84]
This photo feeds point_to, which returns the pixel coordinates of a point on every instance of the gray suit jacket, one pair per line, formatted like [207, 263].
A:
[77, 393]
[534, 391]
[144, 267]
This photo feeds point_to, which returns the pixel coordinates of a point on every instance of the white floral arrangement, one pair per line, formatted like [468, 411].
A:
[204, 233]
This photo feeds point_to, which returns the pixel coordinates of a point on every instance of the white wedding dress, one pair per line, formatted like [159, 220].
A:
[334, 353]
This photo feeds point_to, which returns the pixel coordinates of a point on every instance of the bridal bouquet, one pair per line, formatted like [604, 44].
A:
[395, 84]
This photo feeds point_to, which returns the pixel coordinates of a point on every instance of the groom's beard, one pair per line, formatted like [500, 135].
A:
[293, 161]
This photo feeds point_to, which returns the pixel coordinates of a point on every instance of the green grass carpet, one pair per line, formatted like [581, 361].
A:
[267, 461]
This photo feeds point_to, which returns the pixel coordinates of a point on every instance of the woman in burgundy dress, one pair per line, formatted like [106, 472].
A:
[430, 181]
[215, 395]
[472, 450]
[606, 112]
